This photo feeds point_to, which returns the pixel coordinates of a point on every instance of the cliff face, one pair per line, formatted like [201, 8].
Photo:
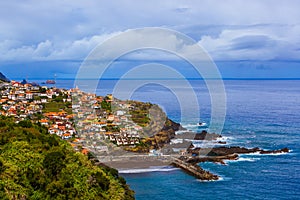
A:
[164, 136]
[3, 78]
[158, 129]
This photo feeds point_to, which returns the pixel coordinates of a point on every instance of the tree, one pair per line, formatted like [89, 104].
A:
[37, 165]
[58, 99]
[106, 105]
[37, 98]
[54, 163]
[25, 124]
[42, 90]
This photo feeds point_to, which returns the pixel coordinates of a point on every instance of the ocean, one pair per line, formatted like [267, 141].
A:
[260, 113]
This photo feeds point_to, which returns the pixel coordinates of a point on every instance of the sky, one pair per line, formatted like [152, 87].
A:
[246, 39]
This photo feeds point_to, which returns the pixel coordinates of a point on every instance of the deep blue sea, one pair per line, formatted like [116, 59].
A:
[260, 113]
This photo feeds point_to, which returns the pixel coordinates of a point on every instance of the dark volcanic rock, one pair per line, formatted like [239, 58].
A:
[284, 150]
[204, 135]
[223, 151]
[215, 159]
[170, 124]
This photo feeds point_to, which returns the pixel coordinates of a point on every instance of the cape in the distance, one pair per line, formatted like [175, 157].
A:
[3, 78]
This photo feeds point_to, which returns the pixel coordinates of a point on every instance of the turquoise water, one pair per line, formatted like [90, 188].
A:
[260, 113]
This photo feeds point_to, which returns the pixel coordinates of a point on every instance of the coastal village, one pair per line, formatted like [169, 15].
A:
[60, 110]
[99, 124]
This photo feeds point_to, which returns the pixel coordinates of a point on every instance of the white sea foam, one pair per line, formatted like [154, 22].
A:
[224, 138]
[252, 154]
[242, 159]
[189, 125]
[268, 154]
[206, 181]
[182, 132]
[248, 159]
[203, 143]
[227, 139]
[147, 170]
[268, 171]
[275, 154]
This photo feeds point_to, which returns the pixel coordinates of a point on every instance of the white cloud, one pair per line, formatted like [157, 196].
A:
[260, 43]
[48, 50]
[41, 30]
[43, 49]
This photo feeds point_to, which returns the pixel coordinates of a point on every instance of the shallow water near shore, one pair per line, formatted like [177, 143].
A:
[260, 113]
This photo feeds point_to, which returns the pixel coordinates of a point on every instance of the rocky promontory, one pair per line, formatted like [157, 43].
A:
[216, 155]
[3, 78]
[225, 151]
[166, 136]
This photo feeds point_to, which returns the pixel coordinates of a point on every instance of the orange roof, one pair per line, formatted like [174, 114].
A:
[50, 113]
[85, 151]
[100, 122]
[61, 127]
[62, 113]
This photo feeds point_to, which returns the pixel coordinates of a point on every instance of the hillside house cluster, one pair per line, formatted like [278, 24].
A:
[96, 123]
[96, 118]
[26, 101]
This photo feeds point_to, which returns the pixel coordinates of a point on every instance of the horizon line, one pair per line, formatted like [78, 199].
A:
[159, 79]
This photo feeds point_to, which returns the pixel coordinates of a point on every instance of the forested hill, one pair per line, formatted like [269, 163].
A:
[36, 165]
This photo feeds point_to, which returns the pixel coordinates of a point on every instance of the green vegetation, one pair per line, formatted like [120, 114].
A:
[140, 113]
[111, 128]
[106, 105]
[57, 106]
[36, 165]
[142, 147]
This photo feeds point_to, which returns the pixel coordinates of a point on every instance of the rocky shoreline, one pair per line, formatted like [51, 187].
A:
[193, 156]
[168, 143]
[224, 151]
[216, 155]
[190, 162]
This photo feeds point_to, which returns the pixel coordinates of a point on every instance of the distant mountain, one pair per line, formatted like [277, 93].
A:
[24, 81]
[3, 78]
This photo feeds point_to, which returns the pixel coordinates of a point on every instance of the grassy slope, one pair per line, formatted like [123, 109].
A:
[54, 106]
